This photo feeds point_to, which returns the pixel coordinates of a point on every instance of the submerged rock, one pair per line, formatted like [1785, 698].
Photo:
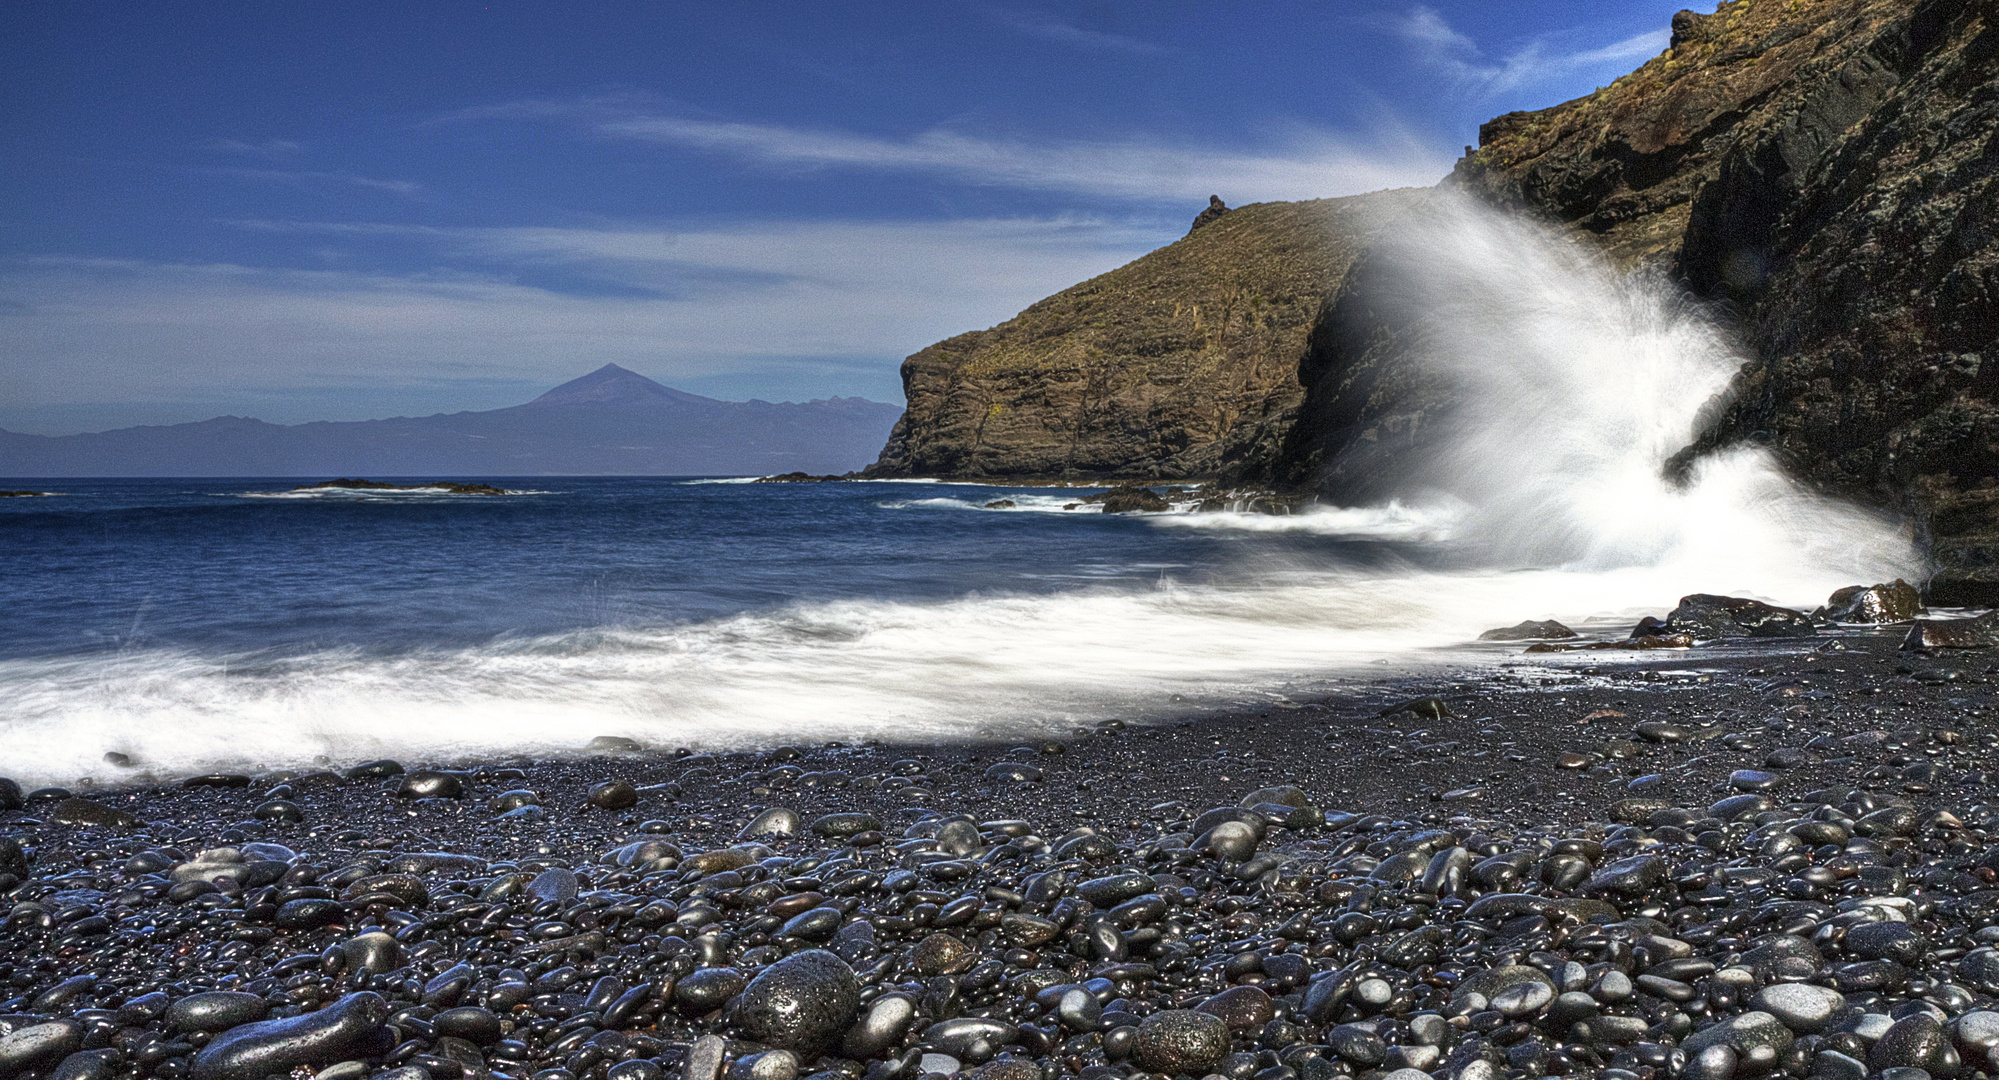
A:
[1530, 630]
[451, 486]
[1133, 499]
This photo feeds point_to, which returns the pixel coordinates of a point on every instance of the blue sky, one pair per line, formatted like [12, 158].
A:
[303, 211]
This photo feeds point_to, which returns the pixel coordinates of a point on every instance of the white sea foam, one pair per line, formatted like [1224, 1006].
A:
[1389, 521]
[1549, 491]
[411, 494]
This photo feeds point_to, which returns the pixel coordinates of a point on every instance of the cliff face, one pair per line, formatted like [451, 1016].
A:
[1825, 168]
[1658, 165]
[1183, 363]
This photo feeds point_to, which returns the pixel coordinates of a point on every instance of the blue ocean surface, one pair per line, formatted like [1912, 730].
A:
[248, 565]
[187, 625]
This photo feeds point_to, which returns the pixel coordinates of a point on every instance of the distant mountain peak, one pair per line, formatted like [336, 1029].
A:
[614, 385]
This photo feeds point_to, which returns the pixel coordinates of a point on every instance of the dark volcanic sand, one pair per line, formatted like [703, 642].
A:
[1345, 936]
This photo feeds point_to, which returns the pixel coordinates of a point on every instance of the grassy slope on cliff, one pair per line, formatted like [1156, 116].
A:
[1174, 365]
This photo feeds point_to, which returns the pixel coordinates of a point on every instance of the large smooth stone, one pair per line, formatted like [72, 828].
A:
[38, 1046]
[801, 1003]
[1802, 1007]
[217, 1010]
[253, 1051]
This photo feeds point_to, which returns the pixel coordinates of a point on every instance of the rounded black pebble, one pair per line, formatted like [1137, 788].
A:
[1177, 1041]
[217, 780]
[375, 770]
[841, 826]
[614, 795]
[74, 811]
[430, 785]
[708, 988]
[38, 1046]
[471, 1023]
[254, 1051]
[801, 1003]
[776, 821]
[217, 1010]
[278, 810]
[1914, 1042]
[309, 914]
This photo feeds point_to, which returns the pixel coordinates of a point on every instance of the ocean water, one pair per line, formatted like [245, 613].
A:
[198, 624]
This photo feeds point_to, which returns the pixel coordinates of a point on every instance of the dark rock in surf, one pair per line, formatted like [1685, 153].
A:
[1705, 616]
[1530, 630]
[1133, 499]
[1895, 602]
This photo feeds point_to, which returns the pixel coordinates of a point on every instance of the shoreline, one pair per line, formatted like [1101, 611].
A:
[433, 920]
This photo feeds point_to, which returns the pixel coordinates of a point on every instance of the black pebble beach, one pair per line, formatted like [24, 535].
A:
[1771, 858]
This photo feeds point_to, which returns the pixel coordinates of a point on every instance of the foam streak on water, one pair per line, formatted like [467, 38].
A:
[1544, 498]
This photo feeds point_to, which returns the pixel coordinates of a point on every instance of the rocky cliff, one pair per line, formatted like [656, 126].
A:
[1183, 363]
[1821, 169]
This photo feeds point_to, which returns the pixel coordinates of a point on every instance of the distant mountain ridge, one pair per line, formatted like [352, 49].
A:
[612, 421]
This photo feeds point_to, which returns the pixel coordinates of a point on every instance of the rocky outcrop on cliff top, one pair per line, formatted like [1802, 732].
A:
[1828, 167]
[1179, 364]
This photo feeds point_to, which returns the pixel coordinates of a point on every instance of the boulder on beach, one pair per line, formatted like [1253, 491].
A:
[1981, 632]
[1707, 617]
[1895, 602]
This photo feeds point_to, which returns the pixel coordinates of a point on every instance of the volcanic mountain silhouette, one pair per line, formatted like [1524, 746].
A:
[611, 422]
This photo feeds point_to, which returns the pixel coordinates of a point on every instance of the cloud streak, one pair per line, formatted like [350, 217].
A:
[1049, 28]
[1308, 164]
[404, 188]
[1450, 51]
[1311, 166]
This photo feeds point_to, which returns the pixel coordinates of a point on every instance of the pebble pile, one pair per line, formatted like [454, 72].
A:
[852, 932]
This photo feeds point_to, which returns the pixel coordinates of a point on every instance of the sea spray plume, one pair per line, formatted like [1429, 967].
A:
[1558, 387]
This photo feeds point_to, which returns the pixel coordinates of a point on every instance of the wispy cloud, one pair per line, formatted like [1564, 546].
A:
[780, 301]
[1447, 49]
[269, 149]
[297, 176]
[1305, 164]
[1047, 27]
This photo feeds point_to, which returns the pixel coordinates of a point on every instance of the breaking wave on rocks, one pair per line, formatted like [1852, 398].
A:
[1543, 497]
